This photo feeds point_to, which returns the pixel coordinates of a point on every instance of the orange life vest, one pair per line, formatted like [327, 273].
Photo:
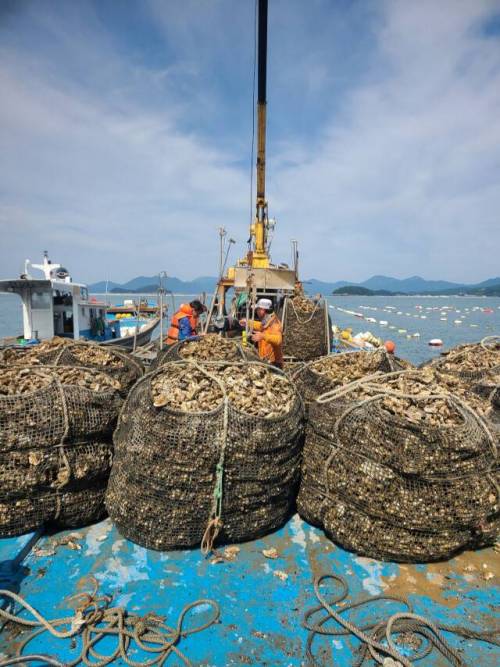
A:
[270, 348]
[184, 311]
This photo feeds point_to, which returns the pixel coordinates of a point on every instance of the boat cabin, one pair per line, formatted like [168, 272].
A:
[56, 306]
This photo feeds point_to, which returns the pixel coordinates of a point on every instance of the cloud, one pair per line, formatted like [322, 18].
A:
[125, 137]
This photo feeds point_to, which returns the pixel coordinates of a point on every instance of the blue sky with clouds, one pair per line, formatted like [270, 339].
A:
[125, 135]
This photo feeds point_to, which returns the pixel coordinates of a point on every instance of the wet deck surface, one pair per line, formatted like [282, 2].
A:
[260, 612]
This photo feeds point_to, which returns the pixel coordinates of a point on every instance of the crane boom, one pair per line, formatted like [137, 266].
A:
[258, 230]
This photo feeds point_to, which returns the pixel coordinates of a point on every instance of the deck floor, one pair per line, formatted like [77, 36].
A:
[260, 612]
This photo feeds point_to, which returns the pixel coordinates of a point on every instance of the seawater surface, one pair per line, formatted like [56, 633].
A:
[455, 320]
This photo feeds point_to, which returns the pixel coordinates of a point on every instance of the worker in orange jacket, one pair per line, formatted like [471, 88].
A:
[268, 333]
[184, 322]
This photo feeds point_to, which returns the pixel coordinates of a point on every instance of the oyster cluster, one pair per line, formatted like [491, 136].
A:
[186, 389]
[96, 355]
[210, 348]
[38, 354]
[415, 396]
[471, 358]
[303, 304]
[251, 388]
[342, 369]
[15, 380]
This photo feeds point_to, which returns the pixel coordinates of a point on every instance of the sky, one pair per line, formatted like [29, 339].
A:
[126, 134]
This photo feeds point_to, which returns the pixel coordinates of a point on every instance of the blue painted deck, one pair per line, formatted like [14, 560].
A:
[260, 613]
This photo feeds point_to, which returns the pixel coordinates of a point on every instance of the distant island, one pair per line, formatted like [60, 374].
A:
[357, 290]
[374, 286]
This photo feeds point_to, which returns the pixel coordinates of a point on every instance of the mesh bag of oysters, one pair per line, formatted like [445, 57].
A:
[211, 347]
[398, 468]
[205, 452]
[61, 352]
[56, 426]
[36, 355]
[335, 370]
[305, 328]
[473, 361]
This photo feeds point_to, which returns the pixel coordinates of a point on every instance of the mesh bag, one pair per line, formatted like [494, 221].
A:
[488, 387]
[428, 477]
[56, 412]
[26, 472]
[328, 372]
[472, 362]
[55, 444]
[360, 532]
[65, 509]
[34, 355]
[306, 329]
[116, 363]
[168, 463]
[211, 347]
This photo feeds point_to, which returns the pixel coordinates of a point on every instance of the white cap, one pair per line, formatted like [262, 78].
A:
[265, 304]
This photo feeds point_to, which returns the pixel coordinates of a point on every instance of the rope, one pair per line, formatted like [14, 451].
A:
[95, 620]
[490, 339]
[64, 472]
[380, 392]
[373, 632]
[308, 319]
[19, 660]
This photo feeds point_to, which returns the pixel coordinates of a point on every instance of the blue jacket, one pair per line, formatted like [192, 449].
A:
[185, 330]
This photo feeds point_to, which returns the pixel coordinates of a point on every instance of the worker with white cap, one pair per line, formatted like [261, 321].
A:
[267, 333]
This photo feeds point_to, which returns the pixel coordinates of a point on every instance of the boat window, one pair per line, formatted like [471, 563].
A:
[40, 300]
[84, 293]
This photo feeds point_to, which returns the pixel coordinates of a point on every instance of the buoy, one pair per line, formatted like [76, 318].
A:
[390, 346]
[436, 342]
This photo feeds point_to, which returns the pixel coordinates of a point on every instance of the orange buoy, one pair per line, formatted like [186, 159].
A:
[390, 346]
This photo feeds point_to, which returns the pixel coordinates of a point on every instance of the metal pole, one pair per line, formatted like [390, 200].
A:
[161, 291]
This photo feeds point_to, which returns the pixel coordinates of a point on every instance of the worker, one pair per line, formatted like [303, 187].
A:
[184, 323]
[268, 333]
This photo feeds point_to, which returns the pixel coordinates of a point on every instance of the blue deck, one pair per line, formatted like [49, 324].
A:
[261, 613]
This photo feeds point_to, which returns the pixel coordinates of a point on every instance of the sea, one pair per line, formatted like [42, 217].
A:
[409, 321]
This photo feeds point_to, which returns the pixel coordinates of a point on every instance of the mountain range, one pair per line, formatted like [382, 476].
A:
[412, 285]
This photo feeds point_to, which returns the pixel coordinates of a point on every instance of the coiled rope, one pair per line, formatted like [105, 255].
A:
[372, 633]
[95, 619]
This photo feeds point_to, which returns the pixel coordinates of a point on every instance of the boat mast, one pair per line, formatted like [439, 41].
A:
[258, 231]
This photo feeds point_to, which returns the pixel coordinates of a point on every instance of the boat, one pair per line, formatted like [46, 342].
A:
[56, 306]
[259, 591]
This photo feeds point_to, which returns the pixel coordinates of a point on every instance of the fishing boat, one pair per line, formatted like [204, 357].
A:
[56, 306]
[258, 593]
